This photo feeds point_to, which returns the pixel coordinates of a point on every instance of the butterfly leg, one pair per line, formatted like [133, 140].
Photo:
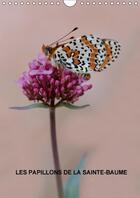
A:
[86, 76]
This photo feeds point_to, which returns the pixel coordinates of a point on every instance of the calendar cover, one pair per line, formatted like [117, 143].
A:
[70, 94]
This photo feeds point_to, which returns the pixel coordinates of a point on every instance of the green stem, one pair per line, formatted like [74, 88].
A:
[55, 151]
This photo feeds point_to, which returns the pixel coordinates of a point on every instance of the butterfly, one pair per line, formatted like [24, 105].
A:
[84, 54]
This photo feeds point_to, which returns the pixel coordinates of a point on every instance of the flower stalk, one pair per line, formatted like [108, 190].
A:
[55, 151]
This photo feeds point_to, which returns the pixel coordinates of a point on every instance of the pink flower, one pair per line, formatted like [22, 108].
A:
[45, 82]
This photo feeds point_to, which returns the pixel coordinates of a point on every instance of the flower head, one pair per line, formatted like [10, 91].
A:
[44, 82]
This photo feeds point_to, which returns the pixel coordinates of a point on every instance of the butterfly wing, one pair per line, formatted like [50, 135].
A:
[112, 52]
[85, 54]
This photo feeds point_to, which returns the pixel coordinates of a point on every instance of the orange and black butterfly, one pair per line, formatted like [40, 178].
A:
[84, 54]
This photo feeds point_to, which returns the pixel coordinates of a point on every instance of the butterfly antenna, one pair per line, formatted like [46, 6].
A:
[67, 39]
[76, 28]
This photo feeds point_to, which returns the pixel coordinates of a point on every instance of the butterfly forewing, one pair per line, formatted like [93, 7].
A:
[87, 53]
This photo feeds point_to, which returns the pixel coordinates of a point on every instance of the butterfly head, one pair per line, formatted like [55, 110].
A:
[47, 50]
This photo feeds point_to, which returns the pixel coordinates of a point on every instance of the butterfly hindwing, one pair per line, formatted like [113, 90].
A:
[112, 51]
